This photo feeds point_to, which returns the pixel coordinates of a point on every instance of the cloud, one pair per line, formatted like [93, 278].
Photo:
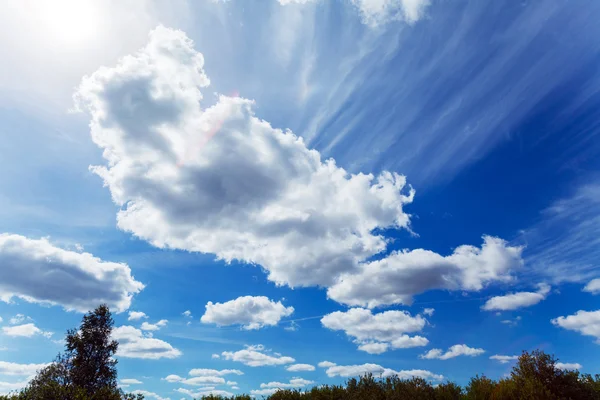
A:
[80, 280]
[7, 387]
[25, 330]
[428, 311]
[503, 359]
[375, 333]
[196, 381]
[19, 318]
[133, 344]
[136, 315]
[130, 381]
[453, 351]
[187, 313]
[300, 367]
[568, 366]
[252, 312]
[399, 276]
[517, 300]
[154, 327]
[326, 364]
[378, 12]
[585, 322]
[592, 286]
[219, 180]
[14, 369]
[346, 371]
[271, 387]
[149, 395]
[214, 372]
[205, 392]
[254, 356]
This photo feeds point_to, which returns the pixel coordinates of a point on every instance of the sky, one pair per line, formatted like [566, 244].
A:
[289, 193]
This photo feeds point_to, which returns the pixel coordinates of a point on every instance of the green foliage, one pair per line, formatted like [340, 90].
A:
[86, 371]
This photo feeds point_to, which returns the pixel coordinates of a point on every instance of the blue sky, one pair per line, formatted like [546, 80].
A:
[388, 186]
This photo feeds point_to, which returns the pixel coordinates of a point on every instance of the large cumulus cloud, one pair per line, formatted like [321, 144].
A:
[219, 180]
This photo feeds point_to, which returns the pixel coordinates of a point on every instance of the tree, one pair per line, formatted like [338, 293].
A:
[87, 370]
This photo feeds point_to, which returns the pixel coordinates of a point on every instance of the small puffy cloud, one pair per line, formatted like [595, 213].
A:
[585, 322]
[503, 359]
[18, 319]
[375, 333]
[267, 389]
[326, 364]
[187, 313]
[428, 311]
[517, 300]
[150, 395]
[256, 356]
[197, 380]
[347, 371]
[231, 383]
[154, 327]
[511, 322]
[252, 312]
[453, 351]
[215, 356]
[206, 391]
[15, 369]
[593, 286]
[133, 344]
[214, 372]
[130, 381]
[300, 367]
[136, 315]
[80, 280]
[25, 330]
[568, 366]
[396, 278]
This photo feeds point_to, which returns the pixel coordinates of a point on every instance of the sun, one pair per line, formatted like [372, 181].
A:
[67, 22]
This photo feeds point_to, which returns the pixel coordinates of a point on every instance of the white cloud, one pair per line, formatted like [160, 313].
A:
[300, 367]
[428, 311]
[231, 383]
[130, 381]
[215, 356]
[149, 395]
[585, 322]
[568, 366]
[214, 372]
[207, 391]
[396, 278]
[6, 387]
[346, 371]
[81, 281]
[196, 381]
[517, 300]
[271, 387]
[326, 364]
[154, 327]
[19, 318]
[25, 330]
[377, 12]
[187, 313]
[593, 286]
[252, 312]
[133, 344]
[503, 359]
[221, 181]
[453, 351]
[136, 315]
[255, 356]
[14, 369]
[375, 333]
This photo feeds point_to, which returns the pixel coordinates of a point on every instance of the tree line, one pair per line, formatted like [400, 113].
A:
[87, 370]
